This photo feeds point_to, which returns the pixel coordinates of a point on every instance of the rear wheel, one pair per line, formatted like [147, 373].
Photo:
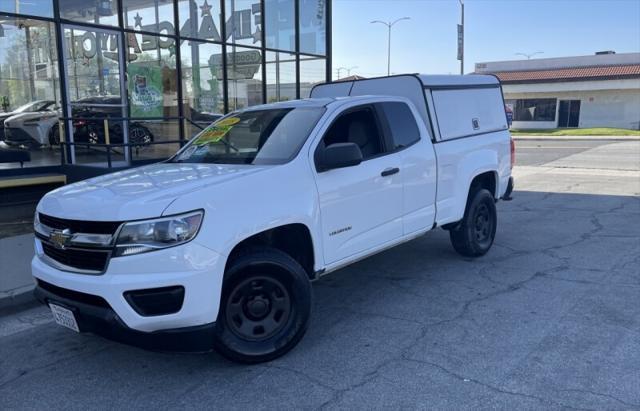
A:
[265, 306]
[474, 235]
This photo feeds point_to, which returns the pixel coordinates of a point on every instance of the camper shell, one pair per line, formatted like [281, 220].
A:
[451, 106]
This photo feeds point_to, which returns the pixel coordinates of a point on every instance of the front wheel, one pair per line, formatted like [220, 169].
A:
[265, 306]
[54, 136]
[474, 235]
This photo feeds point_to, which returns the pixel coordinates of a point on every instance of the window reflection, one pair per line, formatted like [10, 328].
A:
[43, 8]
[98, 12]
[29, 94]
[149, 15]
[200, 19]
[281, 77]
[202, 83]
[280, 24]
[243, 22]
[313, 70]
[312, 26]
[245, 77]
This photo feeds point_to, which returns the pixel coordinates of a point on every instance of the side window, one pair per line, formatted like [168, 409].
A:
[359, 127]
[402, 124]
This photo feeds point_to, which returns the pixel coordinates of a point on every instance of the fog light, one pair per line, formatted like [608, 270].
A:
[156, 301]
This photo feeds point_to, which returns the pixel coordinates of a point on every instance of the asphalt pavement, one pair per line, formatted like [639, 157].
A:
[548, 319]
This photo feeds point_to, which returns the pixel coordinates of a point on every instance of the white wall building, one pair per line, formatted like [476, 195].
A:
[602, 90]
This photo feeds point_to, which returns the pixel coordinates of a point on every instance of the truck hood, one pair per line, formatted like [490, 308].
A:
[138, 193]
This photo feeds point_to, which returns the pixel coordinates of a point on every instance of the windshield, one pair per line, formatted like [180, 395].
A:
[33, 106]
[271, 136]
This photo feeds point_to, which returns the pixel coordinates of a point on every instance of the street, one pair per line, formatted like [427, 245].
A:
[548, 319]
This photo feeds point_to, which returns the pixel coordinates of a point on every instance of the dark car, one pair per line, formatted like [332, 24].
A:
[88, 124]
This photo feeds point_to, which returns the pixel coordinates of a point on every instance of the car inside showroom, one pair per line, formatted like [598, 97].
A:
[88, 87]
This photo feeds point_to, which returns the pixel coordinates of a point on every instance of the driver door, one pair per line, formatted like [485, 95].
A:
[360, 206]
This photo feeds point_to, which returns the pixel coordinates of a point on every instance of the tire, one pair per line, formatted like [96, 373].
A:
[54, 136]
[474, 235]
[140, 136]
[265, 306]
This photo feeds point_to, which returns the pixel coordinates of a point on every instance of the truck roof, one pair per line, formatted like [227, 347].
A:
[308, 102]
[431, 80]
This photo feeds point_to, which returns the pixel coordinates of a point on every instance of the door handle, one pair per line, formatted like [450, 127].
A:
[390, 171]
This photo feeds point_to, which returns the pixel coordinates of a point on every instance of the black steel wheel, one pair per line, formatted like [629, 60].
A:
[140, 136]
[474, 235]
[265, 306]
[258, 308]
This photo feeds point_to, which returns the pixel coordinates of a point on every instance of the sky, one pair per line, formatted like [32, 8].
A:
[495, 30]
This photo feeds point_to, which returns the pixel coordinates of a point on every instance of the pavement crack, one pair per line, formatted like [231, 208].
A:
[599, 394]
[492, 387]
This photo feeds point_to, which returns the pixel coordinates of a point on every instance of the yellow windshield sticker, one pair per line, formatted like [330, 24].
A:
[216, 132]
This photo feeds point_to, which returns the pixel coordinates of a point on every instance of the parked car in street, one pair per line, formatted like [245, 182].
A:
[217, 247]
[27, 113]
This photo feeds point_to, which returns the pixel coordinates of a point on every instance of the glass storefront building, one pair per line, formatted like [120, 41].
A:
[115, 83]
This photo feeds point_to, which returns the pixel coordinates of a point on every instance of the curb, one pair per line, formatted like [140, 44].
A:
[14, 300]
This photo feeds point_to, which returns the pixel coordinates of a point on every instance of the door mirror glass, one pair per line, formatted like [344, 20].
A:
[339, 155]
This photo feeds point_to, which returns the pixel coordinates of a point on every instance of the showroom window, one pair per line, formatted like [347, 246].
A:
[202, 85]
[154, 16]
[279, 21]
[539, 109]
[103, 12]
[29, 91]
[201, 19]
[244, 72]
[281, 76]
[42, 8]
[152, 78]
[312, 26]
[143, 76]
[243, 22]
[313, 70]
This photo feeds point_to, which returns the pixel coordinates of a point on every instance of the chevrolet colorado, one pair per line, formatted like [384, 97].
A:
[217, 246]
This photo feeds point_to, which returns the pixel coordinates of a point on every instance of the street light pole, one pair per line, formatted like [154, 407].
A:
[529, 55]
[462, 43]
[389, 25]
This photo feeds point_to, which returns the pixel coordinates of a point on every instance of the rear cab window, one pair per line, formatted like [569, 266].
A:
[402, 129]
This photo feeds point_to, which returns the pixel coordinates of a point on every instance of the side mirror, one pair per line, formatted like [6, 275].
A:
[339, 155]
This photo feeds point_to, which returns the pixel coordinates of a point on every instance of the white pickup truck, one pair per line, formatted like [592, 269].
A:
[217, 246]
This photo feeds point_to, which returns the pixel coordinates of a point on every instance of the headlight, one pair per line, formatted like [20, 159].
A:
[148, 235]
[34, 121]
[36, 221]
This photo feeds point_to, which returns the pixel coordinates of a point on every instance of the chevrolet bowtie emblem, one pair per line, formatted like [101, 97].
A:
[60, 238]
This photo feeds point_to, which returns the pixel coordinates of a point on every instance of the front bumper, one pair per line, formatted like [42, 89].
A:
[192, 266]
[99, 318]
[16, 136]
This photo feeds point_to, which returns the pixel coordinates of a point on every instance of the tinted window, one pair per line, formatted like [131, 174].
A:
[535, 109]
[402, 124]
[357, 127]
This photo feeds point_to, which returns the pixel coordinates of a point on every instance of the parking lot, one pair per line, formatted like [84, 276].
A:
[549, 319]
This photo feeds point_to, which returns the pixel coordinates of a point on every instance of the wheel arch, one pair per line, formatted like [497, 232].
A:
[295, 239]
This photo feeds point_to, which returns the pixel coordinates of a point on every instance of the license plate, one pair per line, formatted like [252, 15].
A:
[64, 317]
